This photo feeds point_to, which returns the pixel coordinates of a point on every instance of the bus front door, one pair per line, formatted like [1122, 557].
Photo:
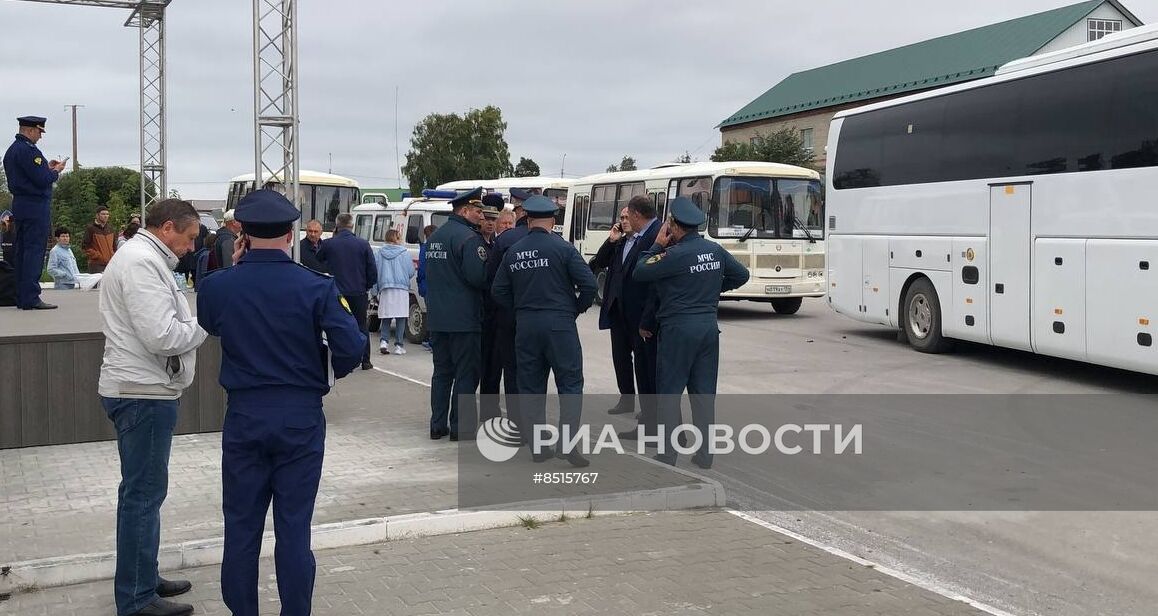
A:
[1010, 263]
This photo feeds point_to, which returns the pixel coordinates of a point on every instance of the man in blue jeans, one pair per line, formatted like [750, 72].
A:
[151, 341]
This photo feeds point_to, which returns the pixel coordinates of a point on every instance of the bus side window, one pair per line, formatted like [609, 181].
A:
[660, 200]
[414, 229]
[381, 225]
[362, 226]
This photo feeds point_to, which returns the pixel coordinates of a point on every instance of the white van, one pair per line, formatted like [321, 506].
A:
[372, 220]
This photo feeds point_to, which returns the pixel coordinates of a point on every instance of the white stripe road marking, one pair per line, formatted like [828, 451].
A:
[919, 582]
[402, 376]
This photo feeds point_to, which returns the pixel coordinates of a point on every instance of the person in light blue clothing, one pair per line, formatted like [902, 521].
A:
[395, 269]
[62, 263]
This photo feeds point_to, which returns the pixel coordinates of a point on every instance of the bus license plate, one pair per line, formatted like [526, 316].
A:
[778, 289]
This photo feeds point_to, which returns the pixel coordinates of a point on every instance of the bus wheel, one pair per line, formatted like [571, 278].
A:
[787, 305]
[922, 318]
[600, 279]
[416, 324]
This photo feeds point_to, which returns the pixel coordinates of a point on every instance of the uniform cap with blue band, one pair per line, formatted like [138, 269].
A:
[685, 212]
[33, 122]
[539, 207]
[473, 197]
[266, 213]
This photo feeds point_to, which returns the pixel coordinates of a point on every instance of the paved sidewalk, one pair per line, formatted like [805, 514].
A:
[61, 500]
[703, 562]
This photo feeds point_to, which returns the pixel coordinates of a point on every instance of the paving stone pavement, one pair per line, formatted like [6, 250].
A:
[674, 563]
[380, 461]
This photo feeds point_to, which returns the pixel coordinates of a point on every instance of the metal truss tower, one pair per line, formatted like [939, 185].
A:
[275, 98]
[148, 17]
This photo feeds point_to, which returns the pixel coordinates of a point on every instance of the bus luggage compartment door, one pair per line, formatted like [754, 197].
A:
[1010, 263]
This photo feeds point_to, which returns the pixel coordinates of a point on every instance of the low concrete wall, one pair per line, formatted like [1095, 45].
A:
[48, 380]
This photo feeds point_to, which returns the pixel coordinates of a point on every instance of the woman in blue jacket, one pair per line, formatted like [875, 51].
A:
[395, 269]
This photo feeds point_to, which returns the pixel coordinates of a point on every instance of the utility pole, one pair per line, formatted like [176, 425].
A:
[75, 160]
[563, 165]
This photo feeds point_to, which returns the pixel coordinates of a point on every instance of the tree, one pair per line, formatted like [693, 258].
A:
[627, 164]
[526, 168]
[77, 195]
[783, 146]
[685, 158]
[448, 147]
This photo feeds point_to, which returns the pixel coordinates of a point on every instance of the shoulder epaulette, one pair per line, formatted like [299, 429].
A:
[314, 271]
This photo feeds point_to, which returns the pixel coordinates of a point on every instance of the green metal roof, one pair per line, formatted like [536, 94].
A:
[963, 56]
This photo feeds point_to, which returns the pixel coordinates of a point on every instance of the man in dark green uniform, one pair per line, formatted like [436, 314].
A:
[538, 279]
[688, 273]
[456, 260]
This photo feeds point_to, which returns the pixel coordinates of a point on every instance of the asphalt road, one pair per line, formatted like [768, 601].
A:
[1023, 562]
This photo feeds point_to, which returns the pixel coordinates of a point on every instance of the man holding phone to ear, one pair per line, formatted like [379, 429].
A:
[30, 180]
[286, 335]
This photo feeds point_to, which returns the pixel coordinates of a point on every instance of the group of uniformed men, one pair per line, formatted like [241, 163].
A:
[286, 334]
[540, 284]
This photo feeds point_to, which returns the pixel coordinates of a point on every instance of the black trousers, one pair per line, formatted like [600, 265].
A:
[646, 353]
[359, 305]
[498, 352]
[621, 351]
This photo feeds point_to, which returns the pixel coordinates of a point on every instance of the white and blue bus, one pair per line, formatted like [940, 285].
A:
[1017, 210]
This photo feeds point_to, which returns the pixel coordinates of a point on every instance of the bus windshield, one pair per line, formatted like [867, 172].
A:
[766, 208]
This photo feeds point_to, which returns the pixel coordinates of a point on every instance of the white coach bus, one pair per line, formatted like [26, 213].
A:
[1017, 210]
[769, 216]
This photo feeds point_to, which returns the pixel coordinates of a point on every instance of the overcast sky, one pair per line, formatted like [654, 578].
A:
[591, 79]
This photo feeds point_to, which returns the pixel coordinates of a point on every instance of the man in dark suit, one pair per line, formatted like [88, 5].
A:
[623, 310]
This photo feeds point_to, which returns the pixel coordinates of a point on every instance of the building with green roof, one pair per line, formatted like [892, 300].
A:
[807, 100]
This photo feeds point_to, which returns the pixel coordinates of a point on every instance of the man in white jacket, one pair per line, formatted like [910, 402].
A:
[151, 341]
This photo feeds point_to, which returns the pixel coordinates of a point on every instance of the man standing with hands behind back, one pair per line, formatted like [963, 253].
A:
[30, 180]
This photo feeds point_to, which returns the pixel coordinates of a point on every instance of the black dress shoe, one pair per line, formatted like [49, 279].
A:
[702, 462]
[454, 436]
[437, 434]
[163, 607]
[628, 435]
[172, 588]
[367, 365]
[42, 306]
[538, 458]
[575, 458]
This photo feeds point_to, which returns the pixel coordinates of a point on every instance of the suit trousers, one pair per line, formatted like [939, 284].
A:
[359, 305]
[621, 350]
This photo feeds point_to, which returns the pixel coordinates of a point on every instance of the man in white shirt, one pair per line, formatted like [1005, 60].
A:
[151, 341]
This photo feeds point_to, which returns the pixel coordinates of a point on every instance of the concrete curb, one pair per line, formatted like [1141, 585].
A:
[80, 568]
